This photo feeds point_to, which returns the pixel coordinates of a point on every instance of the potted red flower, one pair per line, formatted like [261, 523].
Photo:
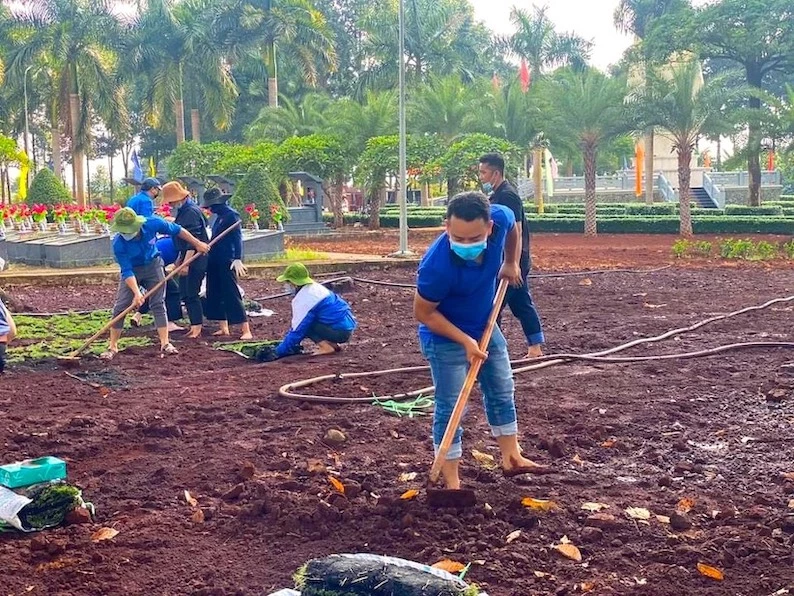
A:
[253, 215]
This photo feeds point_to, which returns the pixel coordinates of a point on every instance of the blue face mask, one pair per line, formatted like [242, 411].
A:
[217, 208]
[487, 187]
[468, 252]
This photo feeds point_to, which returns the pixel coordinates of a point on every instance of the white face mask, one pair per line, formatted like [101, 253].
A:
[290, 289]
[129, 236]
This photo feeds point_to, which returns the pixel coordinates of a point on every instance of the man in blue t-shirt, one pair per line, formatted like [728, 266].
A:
[143, 202]
[135, 249]
[456, 289]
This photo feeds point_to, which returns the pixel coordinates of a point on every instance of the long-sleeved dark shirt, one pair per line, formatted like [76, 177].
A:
[230, 246]
[192, 219]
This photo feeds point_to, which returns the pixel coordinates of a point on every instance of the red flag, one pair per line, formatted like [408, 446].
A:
[524, 75]
[770, 161]
[495, 82]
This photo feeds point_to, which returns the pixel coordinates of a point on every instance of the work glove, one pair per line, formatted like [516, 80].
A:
[266, 354]
[238, 267]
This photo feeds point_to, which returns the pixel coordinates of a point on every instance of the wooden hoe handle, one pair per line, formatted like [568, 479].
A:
[471, 378]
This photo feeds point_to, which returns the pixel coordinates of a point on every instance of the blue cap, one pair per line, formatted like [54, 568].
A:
[150, 183]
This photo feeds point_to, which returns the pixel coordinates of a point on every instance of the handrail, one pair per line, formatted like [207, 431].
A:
[666, 189]
[715, 193]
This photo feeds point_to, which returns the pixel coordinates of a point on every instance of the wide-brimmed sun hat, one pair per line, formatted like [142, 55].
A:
[296, 274]
[173, 192]
[214, 196]
[127, 221]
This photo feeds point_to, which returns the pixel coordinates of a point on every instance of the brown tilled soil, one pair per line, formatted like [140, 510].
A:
[716, 431]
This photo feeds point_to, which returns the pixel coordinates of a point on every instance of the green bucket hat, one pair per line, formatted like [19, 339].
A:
[296, 274]
[127, 221]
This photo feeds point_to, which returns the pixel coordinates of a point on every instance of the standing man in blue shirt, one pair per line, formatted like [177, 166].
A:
[456, 288]
[135, 249]
[143, 202]
[519, 299]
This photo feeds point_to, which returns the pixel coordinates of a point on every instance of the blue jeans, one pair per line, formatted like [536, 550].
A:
[449, 366]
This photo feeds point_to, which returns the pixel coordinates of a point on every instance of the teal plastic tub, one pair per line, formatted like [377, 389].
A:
[32, 471]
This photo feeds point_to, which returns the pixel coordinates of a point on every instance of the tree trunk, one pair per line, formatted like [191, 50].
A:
[754, 140]
[56, 142]
[110, 173]
[684, 175]
[195, 125]
[425, 196]
[590, 224]
[77, 155]
[335, 194]
[377, 198]
[452, 187]
[649, 167]
[537, 175]
[719, 153]
[569, 167]
[179, 113]
[126, 149]
[3, 187]
[88, 179]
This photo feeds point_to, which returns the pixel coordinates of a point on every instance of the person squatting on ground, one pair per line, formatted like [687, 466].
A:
[190, 218]
[135, 249]
[8, 331]
[143, 202]
[456, 287]
[519, 298]
[224, 265]
[317, 313]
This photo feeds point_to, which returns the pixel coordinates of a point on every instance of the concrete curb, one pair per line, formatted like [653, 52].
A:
[105, 275]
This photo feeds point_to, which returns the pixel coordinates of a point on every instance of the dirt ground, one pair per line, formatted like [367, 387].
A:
[716, 431]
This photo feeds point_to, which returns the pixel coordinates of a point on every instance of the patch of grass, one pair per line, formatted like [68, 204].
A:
[298, 253]
[62, 347]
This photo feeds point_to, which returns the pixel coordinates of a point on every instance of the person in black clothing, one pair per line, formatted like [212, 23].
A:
[190, 217]
[224, 264]
[519, 299]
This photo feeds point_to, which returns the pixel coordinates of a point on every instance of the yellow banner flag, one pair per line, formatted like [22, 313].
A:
[22, 193]
[152, 168]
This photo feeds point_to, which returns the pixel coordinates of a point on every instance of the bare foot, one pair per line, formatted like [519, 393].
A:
[522, 465]
[535, 352]
[324, 348]
[221, 332]
[174, 327]
[193, 333]
[247, 336]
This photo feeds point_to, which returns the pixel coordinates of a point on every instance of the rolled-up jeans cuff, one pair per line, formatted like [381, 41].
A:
[455, 450]
[536, 339]
[505, 430]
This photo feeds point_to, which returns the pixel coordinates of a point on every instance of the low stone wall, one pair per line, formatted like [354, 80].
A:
[603, 196]
[740, 195]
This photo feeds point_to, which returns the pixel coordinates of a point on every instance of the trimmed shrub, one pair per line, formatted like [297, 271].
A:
[745, 210]
[47, 189]
[257, 187]
[659, 209]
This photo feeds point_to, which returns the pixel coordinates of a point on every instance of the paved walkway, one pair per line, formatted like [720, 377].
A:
[23, 275]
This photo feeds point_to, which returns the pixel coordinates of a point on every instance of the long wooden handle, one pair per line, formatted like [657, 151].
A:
[158, 285]
[468, 385]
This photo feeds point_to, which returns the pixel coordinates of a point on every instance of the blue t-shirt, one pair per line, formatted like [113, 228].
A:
[5, 328]
[464, 290]
[167, 249]
[142, 204]
[143, 249]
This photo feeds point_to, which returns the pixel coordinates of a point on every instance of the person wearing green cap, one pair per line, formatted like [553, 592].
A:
[317, 313]
[135, 249]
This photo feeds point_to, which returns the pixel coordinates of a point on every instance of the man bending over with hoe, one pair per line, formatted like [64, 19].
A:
[135, 249]
[456, 288]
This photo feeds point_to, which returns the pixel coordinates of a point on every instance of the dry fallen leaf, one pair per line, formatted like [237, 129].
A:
[569, 551]
[609, 443]
[648, 305]
[663, 519]
[539, 504]
[513, 536]
[190, 500]
[198, 516]
[587, 586]
[337, 484]
[577, 460]
[486, 460]
[594, 507]
[540, 574]
[787, 475]
[565, 540]
[586, 282]
[711, 572]
[407, 476]
[104, 534]
[685, 505]
[638, 513]
[449, 566]
[409, 494]
[641, 581]
[315, 466]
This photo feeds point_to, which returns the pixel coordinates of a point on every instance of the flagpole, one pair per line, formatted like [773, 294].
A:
[402, 180]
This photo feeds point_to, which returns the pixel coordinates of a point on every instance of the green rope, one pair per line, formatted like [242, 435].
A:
[408, 409]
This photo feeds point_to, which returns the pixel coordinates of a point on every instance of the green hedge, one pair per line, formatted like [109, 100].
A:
[745, 210]
[667, 225]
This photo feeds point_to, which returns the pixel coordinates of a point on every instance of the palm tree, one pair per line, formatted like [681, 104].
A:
[588, 110]
[291, 119]
[684, 109]
[536, 41]
[445, 106]
[174, 49]
[71, 43]
[358, 122]
[637, 16]
[271, 27]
